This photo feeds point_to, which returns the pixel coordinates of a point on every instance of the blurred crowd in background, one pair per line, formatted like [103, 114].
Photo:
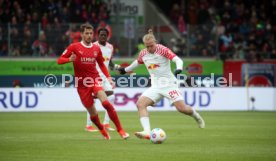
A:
[33, 23]
[243, 29]
[237, 29]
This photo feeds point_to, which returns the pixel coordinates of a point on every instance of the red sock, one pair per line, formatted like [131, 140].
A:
[95, 119]
[112, 114]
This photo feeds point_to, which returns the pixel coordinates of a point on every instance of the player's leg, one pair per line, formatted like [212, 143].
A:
[89, 125]
[106, 116]
[88, 102]
[142, 105]
[148, 98]
[188, 110]
[109, 92]
[111, 112]
[175, 96]
[94, 117]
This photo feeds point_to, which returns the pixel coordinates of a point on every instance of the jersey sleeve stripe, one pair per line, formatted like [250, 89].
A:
[164, 51]
[142, 53]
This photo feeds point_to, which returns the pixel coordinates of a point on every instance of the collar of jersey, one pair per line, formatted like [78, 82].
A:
[87, 46]
[97, 42]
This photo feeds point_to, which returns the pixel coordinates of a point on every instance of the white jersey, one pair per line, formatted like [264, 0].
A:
[107, 52]
[159, 66]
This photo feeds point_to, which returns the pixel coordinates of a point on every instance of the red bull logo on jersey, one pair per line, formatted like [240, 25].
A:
[106, 58]
[153, 66]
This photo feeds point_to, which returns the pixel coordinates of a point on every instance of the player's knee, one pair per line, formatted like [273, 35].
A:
[140, 104]
[109, 93]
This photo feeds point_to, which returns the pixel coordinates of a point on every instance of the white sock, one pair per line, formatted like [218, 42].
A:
[111, 99]
[145, 123]
[195, 115]
[88, 121]
[106, 118]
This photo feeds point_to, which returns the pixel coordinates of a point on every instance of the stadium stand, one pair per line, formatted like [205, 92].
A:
[38, 24]
[243, 29]
[228, 29]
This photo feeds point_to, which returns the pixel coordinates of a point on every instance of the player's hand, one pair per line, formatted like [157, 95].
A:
[122, 70]
[117, 67]
[111, 82]
[177, 71]
[72, 57]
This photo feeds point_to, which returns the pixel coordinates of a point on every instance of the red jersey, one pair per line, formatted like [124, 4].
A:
[85, 63]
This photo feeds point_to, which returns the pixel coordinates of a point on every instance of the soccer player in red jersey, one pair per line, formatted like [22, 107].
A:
[107, 51]
[84, 56]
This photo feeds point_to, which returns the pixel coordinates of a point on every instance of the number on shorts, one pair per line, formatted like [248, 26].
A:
[173, 94]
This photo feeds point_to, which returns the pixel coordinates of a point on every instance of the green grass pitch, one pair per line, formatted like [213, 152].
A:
[229, 136]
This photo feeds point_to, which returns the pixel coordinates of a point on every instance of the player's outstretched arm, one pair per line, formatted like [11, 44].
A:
[129, 68]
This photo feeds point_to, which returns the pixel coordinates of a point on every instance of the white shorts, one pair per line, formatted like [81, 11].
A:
[106, 85]
[156, 94]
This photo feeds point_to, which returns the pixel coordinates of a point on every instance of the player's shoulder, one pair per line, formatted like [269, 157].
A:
[143, 52]
[162, 50]
[165, 52]
[96, 46]
[161, 47]
[74, 45]
[109, 45]
[96, 43]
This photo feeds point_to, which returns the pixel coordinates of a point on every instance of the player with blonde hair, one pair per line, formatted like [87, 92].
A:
[156, 58]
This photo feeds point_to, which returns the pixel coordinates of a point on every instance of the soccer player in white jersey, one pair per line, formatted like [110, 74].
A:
[107, 51]
[156, 58]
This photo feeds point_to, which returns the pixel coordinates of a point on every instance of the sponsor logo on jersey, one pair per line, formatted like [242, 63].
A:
[87, 60]
[106, 58]
[153, 66]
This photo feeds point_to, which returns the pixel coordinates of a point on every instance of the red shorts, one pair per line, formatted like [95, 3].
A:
[87, 95]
